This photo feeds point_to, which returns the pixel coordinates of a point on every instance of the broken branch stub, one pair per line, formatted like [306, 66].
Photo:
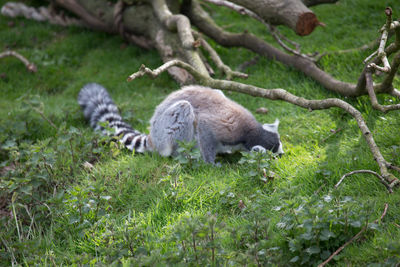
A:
[292, 13]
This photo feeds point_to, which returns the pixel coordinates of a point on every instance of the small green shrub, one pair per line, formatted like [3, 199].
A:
[313, 229]
[189, 154]
[257, 164]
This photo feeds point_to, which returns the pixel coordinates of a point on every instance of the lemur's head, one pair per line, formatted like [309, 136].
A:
[270, 139]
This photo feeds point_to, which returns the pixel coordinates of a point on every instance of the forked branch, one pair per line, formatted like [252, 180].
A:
[281, 94]
[217, 60]
[374, 101]
[381, 49]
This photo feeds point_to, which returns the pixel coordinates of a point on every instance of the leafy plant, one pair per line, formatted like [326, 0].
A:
[313, 229]
[258, 164]
[188, 154]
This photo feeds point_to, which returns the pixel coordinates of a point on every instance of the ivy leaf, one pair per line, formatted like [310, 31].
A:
[306, 236]
[326, 234]
[373, 226]
[295, 259]
[313, 250]
[356, 224]
[325, 254]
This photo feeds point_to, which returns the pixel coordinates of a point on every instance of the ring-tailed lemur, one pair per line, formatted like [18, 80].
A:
[218, 124]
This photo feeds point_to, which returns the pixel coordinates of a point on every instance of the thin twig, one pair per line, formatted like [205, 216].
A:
[29, 66]
[393, 167]
[332, 134]
[13, 259]
[342, 247]
[352, 239]
[248, 63]
[46, 119]
[365, 171]
[384, 212]
[381, 49]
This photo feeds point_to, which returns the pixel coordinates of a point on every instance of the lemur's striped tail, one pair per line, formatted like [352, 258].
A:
[98, 107]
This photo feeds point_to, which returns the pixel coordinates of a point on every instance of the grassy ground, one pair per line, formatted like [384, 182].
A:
[148, 210]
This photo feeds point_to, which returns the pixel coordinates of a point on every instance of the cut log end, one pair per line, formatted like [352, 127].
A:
[307, 23]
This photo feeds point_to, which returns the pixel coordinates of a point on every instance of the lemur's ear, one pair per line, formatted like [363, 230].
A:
[272, 127]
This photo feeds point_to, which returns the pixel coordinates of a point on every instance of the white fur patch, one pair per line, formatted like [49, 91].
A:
[258, 149]
[280, 149]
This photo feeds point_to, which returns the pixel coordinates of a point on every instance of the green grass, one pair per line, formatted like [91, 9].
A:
[145, 200]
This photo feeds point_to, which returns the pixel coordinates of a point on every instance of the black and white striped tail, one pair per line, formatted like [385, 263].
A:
[98, 107]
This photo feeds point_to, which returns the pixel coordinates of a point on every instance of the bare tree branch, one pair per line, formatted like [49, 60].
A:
[280, 94]
[217, 60]
[13, 10]
[381, 50]
[372, 95]
[29, 65]
[365, 171]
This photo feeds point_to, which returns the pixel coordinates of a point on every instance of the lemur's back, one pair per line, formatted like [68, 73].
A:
[227, 119]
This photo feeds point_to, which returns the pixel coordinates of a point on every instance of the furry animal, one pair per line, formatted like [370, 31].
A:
[218, 124]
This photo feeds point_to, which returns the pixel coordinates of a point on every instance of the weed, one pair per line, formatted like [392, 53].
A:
[188, 154]
[258, 164]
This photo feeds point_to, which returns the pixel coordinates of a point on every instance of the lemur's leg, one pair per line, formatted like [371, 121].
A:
[207, 142]
[176, 123]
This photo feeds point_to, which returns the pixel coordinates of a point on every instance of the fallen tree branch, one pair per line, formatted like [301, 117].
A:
[374, 101]
[365, 171]
[280, 94]
[29, 65]
[13, 10]
[181, 24]
[206, 24]
[353, 238]
[381, 49]
[217, 60]
[387, 83]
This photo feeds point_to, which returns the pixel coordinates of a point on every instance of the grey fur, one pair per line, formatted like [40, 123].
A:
[220, 125]
[216, 123]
